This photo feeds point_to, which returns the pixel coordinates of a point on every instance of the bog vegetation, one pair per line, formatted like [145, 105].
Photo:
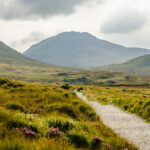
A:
[132, 99]
[40, 116]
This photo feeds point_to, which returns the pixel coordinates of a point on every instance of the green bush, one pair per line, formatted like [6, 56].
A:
[61, 123]
[80, 89]
[15, 106]
[68, 109]
[87, 110]
[5, 81]
[66, 86]
[84, 108]
[78, 139]
[75, 102]
[20, 120]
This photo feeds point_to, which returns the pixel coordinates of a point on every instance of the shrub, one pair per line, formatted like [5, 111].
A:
[80, 89]
[111, 82]
[5, 81]
[75, 102]
[15, 106]
[62, 74]
[28, 133]
[66, 86]
[96, 141]
[84, 108]
[87, 110]
[78, 139]
[68, 109]
[61, 123]
[66, 95]
[19, 120]
[54, 132]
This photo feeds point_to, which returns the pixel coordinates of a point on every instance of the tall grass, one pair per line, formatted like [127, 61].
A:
[34, 108]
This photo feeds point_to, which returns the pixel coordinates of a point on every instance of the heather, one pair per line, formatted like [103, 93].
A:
[40, 116]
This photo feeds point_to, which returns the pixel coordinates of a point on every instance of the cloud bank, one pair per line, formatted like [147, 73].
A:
[31, 9]
[124, 22]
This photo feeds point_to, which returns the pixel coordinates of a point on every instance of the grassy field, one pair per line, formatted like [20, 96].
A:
[40, 116]
[68, 75]
[133, 99]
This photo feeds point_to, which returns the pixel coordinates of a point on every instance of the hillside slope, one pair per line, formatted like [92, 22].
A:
[140, 65]
[75, 49]
[10, 56]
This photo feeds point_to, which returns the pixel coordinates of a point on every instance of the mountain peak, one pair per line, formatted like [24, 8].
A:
[2, 43]
[81, 49]
[75, 34]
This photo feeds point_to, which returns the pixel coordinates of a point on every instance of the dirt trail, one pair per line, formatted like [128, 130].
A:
[128, 126]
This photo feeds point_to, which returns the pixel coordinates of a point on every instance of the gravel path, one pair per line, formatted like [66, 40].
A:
[128, 126]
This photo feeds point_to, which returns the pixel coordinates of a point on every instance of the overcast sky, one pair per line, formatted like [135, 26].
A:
[25, 22]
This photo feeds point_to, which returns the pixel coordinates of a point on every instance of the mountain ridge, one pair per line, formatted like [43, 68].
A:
[9, 55]
[81, 49]
[139, 65]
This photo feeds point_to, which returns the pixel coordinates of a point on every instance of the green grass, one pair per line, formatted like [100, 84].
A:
[74, 76]
[139, 65]
[132, 99]
[38, 108]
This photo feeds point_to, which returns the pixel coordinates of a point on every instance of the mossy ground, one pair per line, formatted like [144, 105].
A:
[38, 108]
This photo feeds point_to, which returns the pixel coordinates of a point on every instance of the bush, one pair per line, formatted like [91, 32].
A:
[80, 89]
[84, 108]
[111, 82]
[67, 109]
[78, 139]
[61, 123]
[19, 120]
[75, 102]
[15, 106]
[28, 133]
[96, 141]
[54, 132]
[66, 86]
[5, 81]
[87, 110]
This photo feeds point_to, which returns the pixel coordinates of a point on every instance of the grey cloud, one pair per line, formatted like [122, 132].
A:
[124, 21]
[28, 9]
[35, 36]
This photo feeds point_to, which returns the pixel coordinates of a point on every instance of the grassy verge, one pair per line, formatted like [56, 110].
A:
[133, 99]
[48, 117]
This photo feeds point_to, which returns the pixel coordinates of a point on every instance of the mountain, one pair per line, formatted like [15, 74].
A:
[11, 56]
[140, 65]
[75, 49]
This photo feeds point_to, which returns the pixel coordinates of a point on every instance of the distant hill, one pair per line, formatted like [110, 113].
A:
[140, 65]
[15, 66]
[10, 56]
[75, 49]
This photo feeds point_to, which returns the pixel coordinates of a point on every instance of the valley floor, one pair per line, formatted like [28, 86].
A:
[126, 125]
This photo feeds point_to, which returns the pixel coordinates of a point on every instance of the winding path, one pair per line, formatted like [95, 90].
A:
[128, 126]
